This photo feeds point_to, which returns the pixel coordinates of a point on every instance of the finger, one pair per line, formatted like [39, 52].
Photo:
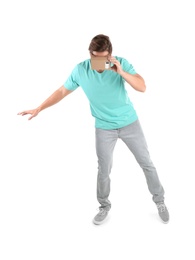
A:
[24, 113]
[116, 62]
[113, 68]
[21, 113]
[113, 59]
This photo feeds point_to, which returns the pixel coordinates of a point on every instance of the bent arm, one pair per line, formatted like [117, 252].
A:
[58, 95]
[136, 81]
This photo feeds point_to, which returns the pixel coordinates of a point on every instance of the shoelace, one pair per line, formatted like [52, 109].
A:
[161, 207]
[101, 211]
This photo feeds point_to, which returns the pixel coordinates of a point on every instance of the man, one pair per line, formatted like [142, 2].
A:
[115, 117]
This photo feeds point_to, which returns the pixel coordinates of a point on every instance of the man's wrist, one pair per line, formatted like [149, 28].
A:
[122, 73]
[39, 109]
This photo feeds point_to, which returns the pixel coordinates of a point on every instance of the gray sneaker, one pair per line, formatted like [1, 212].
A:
[101, 216]
[163, 212]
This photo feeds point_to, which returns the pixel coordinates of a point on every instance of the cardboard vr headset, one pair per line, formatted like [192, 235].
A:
[100, 63]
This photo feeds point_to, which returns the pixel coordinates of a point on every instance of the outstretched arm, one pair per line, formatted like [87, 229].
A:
[58, 95]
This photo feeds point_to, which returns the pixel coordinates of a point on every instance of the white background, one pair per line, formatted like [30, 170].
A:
[48, 165]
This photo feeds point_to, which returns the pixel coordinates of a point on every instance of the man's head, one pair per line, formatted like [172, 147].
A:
[100, 45]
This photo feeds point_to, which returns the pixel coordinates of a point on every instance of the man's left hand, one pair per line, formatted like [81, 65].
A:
[117, 66]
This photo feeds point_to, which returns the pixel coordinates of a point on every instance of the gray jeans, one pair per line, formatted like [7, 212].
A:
[132, 135]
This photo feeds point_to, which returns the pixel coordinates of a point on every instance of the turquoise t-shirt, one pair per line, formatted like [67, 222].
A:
[108, 98]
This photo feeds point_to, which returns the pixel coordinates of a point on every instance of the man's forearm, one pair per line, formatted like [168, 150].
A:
[136, 81]
[58, 95]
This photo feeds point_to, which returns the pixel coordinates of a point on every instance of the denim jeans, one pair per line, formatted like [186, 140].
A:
[132, 135]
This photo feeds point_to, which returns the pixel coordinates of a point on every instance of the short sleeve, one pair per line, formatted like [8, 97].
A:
[72, 81]
[128, 67]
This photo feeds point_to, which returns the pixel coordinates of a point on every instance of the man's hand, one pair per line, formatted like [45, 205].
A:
[136, 81]
[33, 113]
[58, 95]
[117, 66]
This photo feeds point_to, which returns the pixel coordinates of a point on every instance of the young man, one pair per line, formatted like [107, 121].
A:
[115, 117]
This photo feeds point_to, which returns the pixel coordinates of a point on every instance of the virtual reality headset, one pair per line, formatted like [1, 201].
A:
[100, 63]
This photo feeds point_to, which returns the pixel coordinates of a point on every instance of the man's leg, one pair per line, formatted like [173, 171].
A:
[134, 138]
[105, 143]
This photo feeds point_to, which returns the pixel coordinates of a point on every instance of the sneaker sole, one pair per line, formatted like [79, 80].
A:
[165, 222]
[99, 222]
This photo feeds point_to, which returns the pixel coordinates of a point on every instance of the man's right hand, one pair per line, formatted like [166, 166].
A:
[33, 113]
[58, 95]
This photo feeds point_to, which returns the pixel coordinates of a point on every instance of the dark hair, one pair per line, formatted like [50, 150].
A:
[100, 43]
